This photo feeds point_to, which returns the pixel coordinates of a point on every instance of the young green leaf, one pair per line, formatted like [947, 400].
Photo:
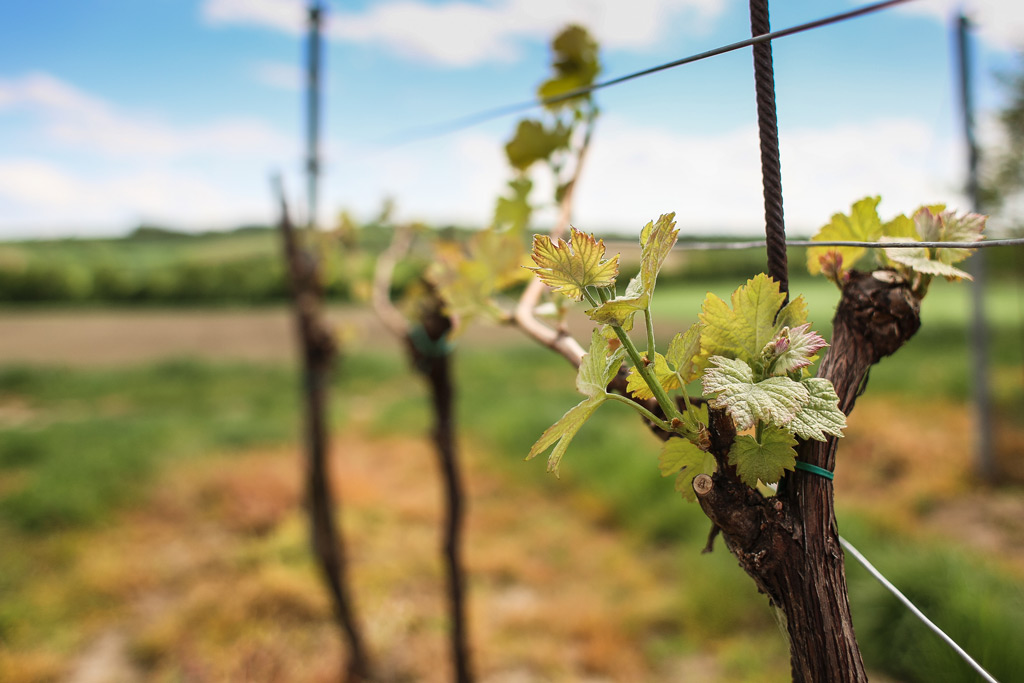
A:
[562, 432]
[533, 142]
[766, 459]
[597, 368]
[656, 241]
[620, 310]
[513, 212]
[686, 461]
[680, 364]
[469, 279]
[503, 255]
[936, 225]
[575, 63]
[919, 259]
[862, 225]
[569, 267]
[743, 330]
[465, 285]
[775, 400]
[684, 353]
[666, 377]
[820, 415]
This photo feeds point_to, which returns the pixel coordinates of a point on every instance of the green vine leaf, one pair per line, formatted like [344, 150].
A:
[743, 330]
[682, 458]
[861, 225]
[621, 310]
[919, 259]
[597, 369]
[680, 365]
[952, 228]
[656, 241]
[575, 62]
[766, 459]
[533, 142]
[513, 212]
[775, 400]
[934, 224]
[666, 376]
[599, 366]
[820, 415]
[684, 353]
[468, 279]
[569, 267]
[562, 433]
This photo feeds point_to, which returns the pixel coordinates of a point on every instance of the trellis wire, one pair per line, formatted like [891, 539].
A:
[915, 611]
[760, 244]
[457, 124]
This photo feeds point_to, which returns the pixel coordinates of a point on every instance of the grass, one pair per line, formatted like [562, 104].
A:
[980, 609]
[78, 445]
[92, 437]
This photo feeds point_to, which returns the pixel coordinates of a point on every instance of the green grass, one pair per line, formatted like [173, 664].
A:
[95, 436]
[94, 439]
[977, 607]
[165, 268]
[614, 459]
[934, 363]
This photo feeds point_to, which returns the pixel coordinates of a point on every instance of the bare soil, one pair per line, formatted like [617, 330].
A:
[83, 337]
[210, 580]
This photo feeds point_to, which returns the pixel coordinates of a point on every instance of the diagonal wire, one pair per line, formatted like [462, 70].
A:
[915, 611]
[446, 127]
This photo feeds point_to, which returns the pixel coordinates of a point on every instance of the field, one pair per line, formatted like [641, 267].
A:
[149, 482]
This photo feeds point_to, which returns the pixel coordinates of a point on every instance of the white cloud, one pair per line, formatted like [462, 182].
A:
[999, 22]
[86, 164]
[280, 75]
[453, 179]
[42, 199]
[459, 33]
[283, 15]
[633, 174]
[714, 182]
[75, 119]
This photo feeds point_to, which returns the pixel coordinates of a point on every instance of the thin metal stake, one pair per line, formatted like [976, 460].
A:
[978, 331]
[313, 113]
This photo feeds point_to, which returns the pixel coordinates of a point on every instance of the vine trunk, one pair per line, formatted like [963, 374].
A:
[789, 544]
[429, 352]
[318, 352]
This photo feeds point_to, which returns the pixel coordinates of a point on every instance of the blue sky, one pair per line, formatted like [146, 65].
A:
[175, 112]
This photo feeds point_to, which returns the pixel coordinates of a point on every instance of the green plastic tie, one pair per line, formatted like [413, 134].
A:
[428, 347]
[814, 469]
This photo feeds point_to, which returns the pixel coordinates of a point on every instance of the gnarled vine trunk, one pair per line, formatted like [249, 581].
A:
[318, 351]
[789, 544]
[428, 348]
